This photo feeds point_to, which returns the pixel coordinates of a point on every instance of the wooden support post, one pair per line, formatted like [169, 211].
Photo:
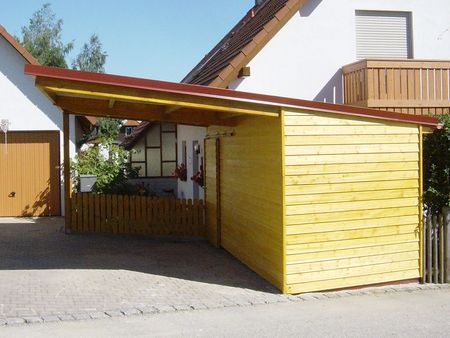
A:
[421, 221]
[66, 168]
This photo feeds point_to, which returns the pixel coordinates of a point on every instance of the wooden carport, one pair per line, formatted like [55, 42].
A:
[310, 195]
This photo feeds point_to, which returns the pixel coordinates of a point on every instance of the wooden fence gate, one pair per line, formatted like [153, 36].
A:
[435, 248]
[121, 214]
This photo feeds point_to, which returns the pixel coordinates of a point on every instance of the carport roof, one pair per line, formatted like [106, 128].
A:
[99, 94]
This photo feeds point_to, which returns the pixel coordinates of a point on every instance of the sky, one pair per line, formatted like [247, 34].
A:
[156, 39]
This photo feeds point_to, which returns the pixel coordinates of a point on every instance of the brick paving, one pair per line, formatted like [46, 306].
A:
[48, 276]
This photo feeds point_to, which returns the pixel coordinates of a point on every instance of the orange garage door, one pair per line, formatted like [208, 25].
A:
[29, 174]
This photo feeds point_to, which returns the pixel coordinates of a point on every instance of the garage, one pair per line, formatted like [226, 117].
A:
[29, 174]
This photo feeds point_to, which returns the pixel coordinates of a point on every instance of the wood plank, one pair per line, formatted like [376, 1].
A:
[324, 208]
[412, 264]
[351, 215]
[350, 196]
[352, 262]
[351, 158]
[353, 281]
[126, 214]
[351, 177]
[345, 253]
[85, 212]
[351, 187]
[349, 130]
[120, 219]
[109, 220]
[132, 218]
[103, 217]
[97, 221]
[292, 230]
[346, 139]
[114, 213]
[351, 149]
[354, 168]
[337, 235]
[91, 213]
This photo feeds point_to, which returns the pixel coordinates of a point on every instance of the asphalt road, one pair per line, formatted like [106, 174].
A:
[417, 314]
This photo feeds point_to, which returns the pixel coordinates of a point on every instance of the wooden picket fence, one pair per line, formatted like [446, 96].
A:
[435, 254]
[121, 214]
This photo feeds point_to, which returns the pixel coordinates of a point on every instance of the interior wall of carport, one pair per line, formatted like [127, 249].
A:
[251, 198]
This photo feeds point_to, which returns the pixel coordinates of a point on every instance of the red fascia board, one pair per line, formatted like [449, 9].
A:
[225, 94]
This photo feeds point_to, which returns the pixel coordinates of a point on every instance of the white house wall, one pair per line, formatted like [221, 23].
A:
[304, 59]
[24, 105]
[189, 134]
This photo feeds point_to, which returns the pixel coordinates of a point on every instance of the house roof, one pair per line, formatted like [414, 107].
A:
[89, 93]
[17, 46]
[137, 134]
[223, 63]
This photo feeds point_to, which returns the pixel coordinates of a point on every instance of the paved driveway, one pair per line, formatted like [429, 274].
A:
[45, 273]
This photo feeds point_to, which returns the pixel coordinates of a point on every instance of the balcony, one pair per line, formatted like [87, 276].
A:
[420, 87]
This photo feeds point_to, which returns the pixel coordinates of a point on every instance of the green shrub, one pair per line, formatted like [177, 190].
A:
[436, 167]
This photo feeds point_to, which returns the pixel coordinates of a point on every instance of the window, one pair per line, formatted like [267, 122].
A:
[128, 131]
[157, 151]
[382, 34]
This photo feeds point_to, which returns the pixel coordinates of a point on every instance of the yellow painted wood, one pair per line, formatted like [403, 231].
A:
[350, 206]
[351, 187]
[348, 139]
[226, 108]
[334, 225]
[352, 177]
[364, 251]
[340, 235]
[347, 130]
[331, 284]
[421, 241]
[352, 262]
[351, 215]
[351, 194]
[352, 158]
[251, 195]
[352, 149]
[353, 168]
[356, 271]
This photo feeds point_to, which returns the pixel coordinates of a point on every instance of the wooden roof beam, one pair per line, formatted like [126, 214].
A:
[138, 111]
[108, 92]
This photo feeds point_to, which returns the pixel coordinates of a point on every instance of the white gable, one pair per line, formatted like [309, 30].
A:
[304, 59]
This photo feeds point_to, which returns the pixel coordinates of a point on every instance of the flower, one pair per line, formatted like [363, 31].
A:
[198, 177]
[181, 172]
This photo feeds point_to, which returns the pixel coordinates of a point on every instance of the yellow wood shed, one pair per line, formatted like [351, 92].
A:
[311, 196]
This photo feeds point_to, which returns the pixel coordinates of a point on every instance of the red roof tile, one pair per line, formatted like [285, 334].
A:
[222, 64]
[17, 46]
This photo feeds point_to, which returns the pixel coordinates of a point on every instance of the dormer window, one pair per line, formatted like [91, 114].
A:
[128, 131]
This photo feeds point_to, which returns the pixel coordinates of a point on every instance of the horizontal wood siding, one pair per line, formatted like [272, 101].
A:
[352, 201]
[251, 195]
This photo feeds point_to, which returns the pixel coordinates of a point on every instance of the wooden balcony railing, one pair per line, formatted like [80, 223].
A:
[420, 87]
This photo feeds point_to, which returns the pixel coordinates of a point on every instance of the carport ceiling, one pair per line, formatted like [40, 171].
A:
[99, 95]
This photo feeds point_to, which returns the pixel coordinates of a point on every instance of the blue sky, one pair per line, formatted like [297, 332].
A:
[158, 39]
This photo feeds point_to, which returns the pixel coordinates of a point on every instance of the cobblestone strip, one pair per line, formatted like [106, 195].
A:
[163, 308]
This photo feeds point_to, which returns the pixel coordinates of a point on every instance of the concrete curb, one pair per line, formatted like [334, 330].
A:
[157, 309]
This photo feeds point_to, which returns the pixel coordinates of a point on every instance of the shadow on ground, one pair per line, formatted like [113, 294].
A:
[41, 244]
